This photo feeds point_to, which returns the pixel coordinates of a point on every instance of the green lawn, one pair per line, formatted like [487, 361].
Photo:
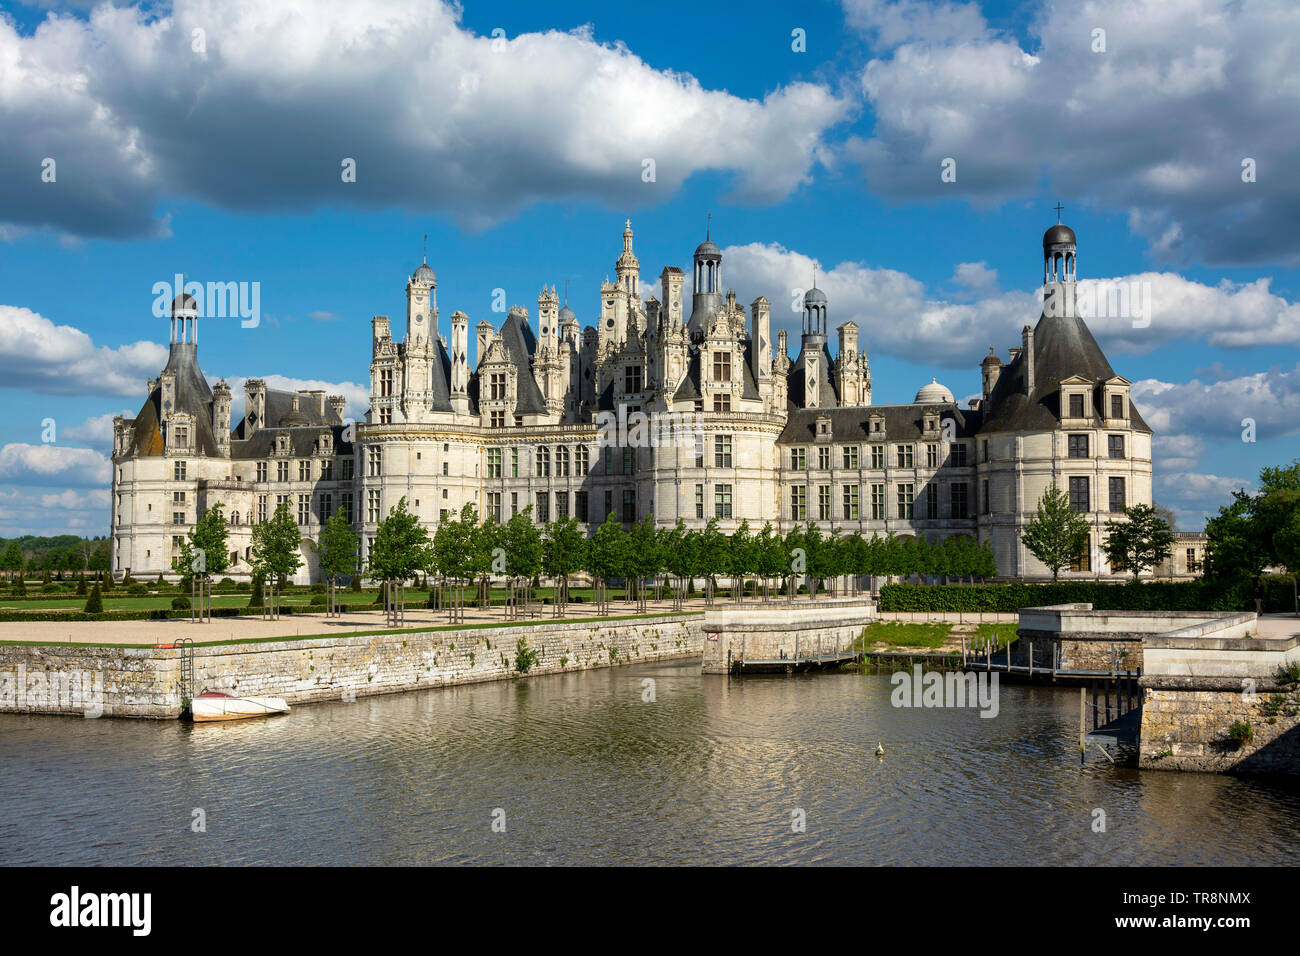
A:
[1000, 634]
[899, 634]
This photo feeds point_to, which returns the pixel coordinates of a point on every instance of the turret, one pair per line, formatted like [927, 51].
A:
[254, 406]
[221, 417]
[460, 363]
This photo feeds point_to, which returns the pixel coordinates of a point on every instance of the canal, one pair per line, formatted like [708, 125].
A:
[584, 770]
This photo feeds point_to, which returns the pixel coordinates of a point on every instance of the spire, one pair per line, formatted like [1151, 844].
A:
[1058, 207]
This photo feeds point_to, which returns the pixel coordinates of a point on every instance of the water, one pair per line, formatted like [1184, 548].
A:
[586, 772]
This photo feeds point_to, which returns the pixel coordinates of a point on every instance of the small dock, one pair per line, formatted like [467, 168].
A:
[792, 665]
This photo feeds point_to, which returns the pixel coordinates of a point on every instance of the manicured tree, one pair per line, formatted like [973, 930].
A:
[257, 599]
[94, 603]
[676, 562]
[769, 558]
[12, 559]
[1139, 542]
[488, 549]
[795, 560]
[337, 547]
[276, 552]
[453, 552]
[398, 553]
[1056, 533]
[564, 551]
[522, 541]
[202, 554]
[664, 543]
[714, 556]
[744, 559]
[606, 557]
[986, 565]
[814, 545]
[81, 584]
[643, 555]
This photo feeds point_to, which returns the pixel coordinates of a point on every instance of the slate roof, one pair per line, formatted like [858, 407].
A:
[192, 395]
[302, 441]
[795, 382]
[517, 335]
[902, 422]
[1063, 346]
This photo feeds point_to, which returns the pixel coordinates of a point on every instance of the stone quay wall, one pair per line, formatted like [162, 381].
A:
[1197, 685]
[769, 631]
[146, 682]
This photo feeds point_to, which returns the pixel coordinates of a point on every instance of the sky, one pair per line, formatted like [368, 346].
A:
[913, 153]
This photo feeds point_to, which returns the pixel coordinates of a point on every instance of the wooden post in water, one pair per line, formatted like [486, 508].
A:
[1083, 705]
[1031, 657]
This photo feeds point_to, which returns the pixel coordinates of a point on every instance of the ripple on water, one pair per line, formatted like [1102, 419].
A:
[587, 772]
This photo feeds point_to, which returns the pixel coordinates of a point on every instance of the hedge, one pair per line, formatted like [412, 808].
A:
[1199, 595]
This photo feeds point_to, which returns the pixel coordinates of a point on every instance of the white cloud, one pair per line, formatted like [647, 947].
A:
[1197, 410]
[43, 357]
[899, 316]
[97, 431]
[53, 465]
[435, 116]
[1158, 124]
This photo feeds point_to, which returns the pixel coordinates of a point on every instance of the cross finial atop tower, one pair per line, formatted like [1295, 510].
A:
[426, 248]
[814, 275]
[1058, 207]
[566, 291]
[707, 223]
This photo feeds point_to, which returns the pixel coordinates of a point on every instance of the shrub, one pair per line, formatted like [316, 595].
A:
[51, 587]
[1201, 595]
[180, 603]
[1241, 732]
[81, 585]
[317, 599]
[525, 656]
[355, 583]
[1289, 673]
[94, 603]
[136, 589]
[318, 589]
[257, 599]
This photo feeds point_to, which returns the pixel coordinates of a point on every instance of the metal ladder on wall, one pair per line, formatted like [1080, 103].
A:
[186, 647]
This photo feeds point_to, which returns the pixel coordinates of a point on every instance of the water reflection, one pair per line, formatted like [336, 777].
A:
[587, 772]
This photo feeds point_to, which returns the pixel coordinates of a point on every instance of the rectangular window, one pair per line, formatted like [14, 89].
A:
[281, 471]
[721, 367]
[877, 456]
[542, 461]
[561, 505]
[497, 419]
[385, 415]
[1076, 406]
[386, 382]
[1083, 560]
[543, 509]
[261, 470]
[304, 509]
[958, 454]
[722, 402]
[1117, 406]
[1077, 446]
[326, 502]
[799, 503]
[581, 460]
[261, 507]
[376, 461]
[1079, 498]
[1115, 446]
[632, 380]
[722, 451]
[178, 497]
[988, 502]
[904, 456]
[931, 456]
[327, 469]
[851, 502]
[1191, 559]
[347, 469]
[878, 502]
[958, 497]
[722, 501]
[932, 500]
[497, 387]
[514, 503]
[823, 502]
[798, 458]
[609, 459]
[629, 461]
[823, 458]
[629, 505]
[304, 470]
[562, 461]
[178, 517]
[699, 501]
[906, 493]
[1118, 501]
[850, 456]
[372, 506]
[494, 504]
[580, 505]
[494, 462]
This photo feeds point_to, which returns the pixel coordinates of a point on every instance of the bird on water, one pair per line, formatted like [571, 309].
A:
[880, 751]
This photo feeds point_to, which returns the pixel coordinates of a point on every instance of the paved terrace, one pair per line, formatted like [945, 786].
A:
[149, 633]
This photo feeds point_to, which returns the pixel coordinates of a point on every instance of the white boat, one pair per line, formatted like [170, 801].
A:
[213, 705]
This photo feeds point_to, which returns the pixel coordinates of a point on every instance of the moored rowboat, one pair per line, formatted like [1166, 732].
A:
[213, 705]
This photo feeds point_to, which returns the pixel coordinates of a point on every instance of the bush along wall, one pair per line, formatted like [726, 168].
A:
[1202, 595]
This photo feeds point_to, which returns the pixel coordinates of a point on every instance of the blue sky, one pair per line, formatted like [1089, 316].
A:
[522, 161]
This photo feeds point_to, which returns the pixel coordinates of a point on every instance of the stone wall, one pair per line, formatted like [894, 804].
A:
[770, 631]
[1187, 729]
[145, 682]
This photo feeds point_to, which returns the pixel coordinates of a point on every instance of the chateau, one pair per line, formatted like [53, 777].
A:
[771, 439]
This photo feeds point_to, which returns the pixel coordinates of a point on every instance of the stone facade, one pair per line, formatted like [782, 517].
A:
[145, 682]
[1188, 729]
[760, 438]
[790, 631]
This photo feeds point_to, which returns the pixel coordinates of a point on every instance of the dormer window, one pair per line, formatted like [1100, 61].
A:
[1076, 406]
[1117, 406]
